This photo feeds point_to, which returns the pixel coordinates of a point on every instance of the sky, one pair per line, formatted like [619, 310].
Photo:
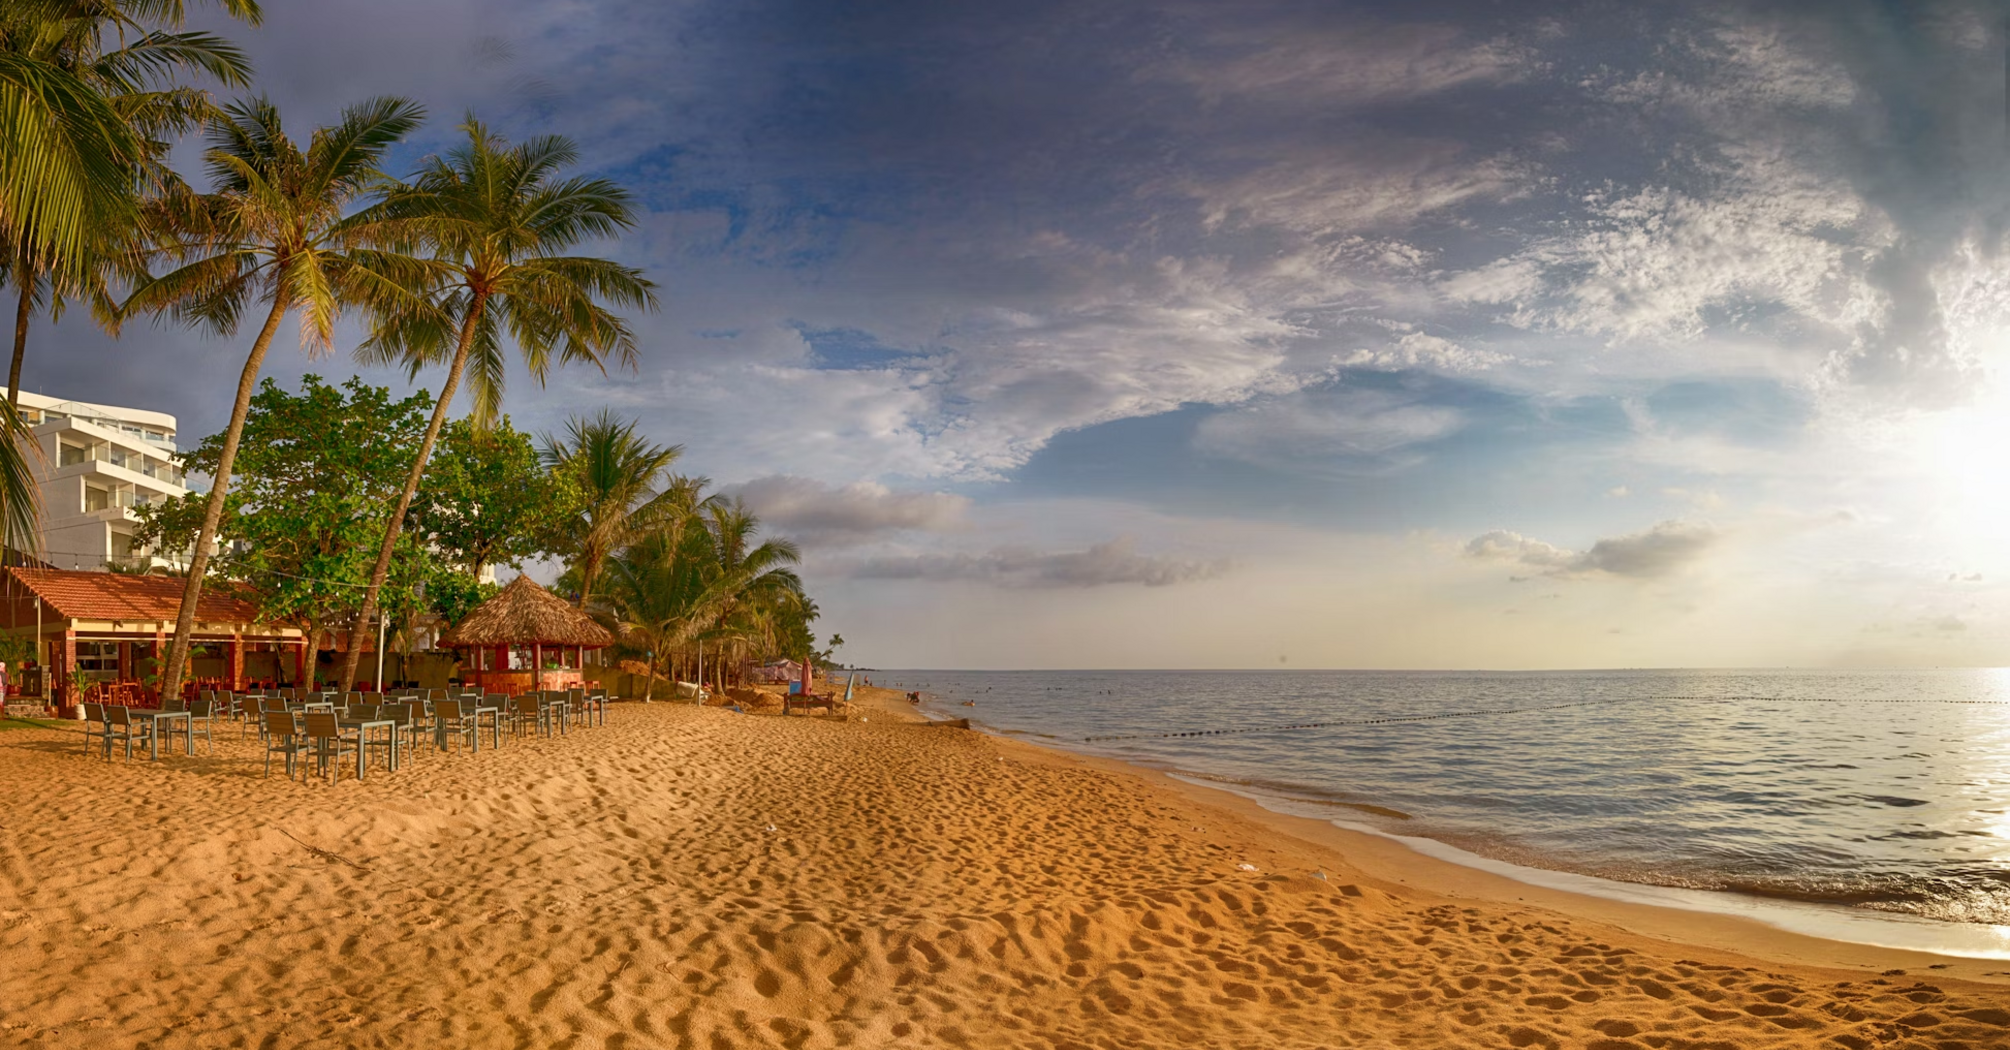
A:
[1269, 333]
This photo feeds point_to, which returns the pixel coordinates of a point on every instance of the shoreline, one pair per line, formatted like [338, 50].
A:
[1397, 865]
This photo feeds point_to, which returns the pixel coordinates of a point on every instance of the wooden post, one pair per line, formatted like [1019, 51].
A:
[69, 665]
[536, 666]
[236, 662]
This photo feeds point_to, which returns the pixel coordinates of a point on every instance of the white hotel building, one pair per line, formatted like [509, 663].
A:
[97, 464]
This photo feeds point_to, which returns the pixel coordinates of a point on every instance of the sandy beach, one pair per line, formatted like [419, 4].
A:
[694, 877]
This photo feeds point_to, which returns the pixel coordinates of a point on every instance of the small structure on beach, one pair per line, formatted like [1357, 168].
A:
[108, 632]
[525, 638]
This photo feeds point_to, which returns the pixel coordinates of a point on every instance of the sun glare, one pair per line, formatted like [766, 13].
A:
[1963, 469]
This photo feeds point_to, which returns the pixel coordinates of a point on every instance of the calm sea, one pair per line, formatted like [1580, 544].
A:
[1799, 797]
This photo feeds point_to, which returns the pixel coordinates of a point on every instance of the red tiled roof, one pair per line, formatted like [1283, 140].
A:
[115, 596]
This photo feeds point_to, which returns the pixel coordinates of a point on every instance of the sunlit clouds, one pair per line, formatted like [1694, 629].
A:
[1452, 334]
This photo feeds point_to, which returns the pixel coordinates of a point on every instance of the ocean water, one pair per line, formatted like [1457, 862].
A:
[1862, 794]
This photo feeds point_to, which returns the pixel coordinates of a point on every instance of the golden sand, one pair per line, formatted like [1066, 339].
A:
[689, 877]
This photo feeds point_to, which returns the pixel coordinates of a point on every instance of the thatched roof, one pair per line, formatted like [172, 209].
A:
[525, 614]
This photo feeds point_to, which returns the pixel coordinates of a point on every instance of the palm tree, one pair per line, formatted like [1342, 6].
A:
[614, 471]
[67, 151]
[658, 595]
[272, 232]
[495, 217]
[81, 134]
[749, 580]
[136, 79]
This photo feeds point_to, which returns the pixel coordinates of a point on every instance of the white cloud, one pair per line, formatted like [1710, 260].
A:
[1660, 551]
[1314, 429]
[1365, 183]
[1363, 64]
[1429, 352]
[823, 515]
[1106, 564]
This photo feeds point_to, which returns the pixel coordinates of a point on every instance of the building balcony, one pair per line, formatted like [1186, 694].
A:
[111, 474]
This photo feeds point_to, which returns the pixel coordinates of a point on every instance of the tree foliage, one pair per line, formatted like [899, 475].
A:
[273, 233]
[317, 473]
[87, 87]
[613, 473]
[702, 576]
[497, 220]
[486, 499]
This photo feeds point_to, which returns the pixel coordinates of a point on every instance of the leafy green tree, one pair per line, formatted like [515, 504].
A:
[487, 498]
[452, 593]
[317, 475]
[497, 218]
[273, 233]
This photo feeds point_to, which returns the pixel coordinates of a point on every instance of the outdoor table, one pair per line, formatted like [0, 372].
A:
[495, 724]
[153, 738]
[362, 726]
[558, 711]
[471, 708]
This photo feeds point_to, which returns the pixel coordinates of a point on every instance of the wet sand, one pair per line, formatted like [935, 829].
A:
[689, 877]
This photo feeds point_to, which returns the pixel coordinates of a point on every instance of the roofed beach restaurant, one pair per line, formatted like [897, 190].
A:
[101, 635]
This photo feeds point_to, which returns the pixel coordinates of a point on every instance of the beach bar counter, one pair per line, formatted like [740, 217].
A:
[525, 639]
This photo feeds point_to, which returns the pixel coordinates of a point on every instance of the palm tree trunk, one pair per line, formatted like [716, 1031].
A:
[212, 518]
[650, 689]
[396, 525]
[589, 570]
[23, 310]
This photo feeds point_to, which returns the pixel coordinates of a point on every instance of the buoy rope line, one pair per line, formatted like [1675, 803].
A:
[1494, 711]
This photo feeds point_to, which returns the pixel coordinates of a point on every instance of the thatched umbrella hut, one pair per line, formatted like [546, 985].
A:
[509, 639]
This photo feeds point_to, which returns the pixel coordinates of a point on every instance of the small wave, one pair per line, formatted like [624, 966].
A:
[1894, 801]
[1365, 807]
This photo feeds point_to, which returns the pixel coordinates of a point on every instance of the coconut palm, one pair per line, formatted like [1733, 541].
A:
[68, 147]
[107, 48]
[749, 579]
[272, 233]
[614, 472]
[495, 218]
[658, 595]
